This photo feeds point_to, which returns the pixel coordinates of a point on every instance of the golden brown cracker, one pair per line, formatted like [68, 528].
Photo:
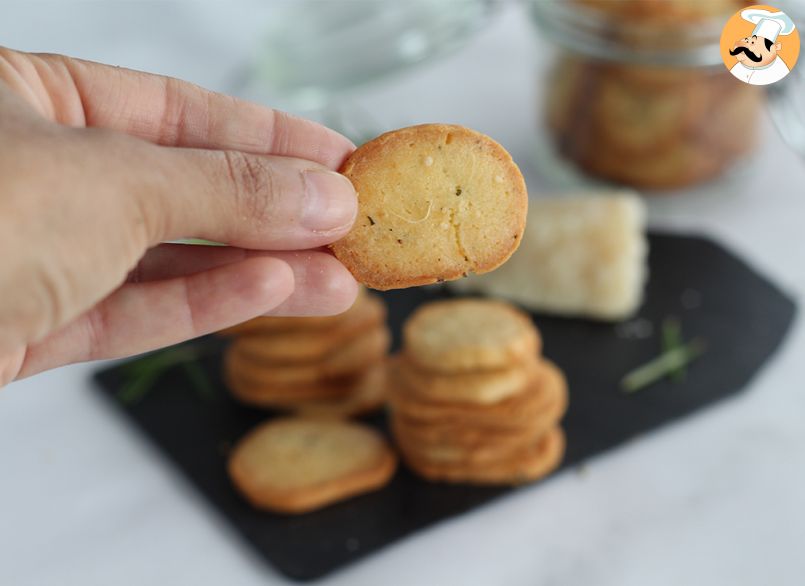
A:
[514, 412]
[295, 346]
[260, 394]
[461, 335]
[435, 202]
[296, 465]
[486, 386]
[270, 324]
[369, 395]
[527, 465]
[354, 356]
[473, 442]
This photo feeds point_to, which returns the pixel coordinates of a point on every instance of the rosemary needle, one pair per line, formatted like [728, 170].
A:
[665, 364]
[199, 379]
[138, 386]
[142, 374]
[671, 340]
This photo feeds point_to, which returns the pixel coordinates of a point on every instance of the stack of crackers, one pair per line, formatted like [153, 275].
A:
[312, 365]
[472, 399]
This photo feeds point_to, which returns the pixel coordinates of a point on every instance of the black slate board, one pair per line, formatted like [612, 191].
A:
[742, 317]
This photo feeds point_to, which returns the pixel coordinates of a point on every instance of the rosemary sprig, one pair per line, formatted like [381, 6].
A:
[665, 364]
[142, 374]
[136, 387]
[199, 242]
[199, 379]
[671, 340]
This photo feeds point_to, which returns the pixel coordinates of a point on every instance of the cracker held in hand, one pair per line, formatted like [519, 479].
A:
[436, 202]
[296, 465]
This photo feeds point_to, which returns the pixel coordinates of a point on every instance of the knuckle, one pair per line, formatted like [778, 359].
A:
[254, 184]
[53, 293]
[97, 325]
[140, 208]
[42, 308]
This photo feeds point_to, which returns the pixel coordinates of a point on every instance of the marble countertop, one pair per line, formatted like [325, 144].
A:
[714, 499]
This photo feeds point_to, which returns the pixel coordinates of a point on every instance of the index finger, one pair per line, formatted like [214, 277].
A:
[168, 111]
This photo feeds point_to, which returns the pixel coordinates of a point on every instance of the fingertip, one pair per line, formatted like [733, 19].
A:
[264, 283]
[339, 291]
[331, 204]
[323, 286]
[336, 149]
[342, 148]
[328, 147]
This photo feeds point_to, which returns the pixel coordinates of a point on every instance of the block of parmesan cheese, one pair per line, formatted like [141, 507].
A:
[580, 256]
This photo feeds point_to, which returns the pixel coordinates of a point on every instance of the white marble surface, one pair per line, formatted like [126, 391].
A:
[715, 499]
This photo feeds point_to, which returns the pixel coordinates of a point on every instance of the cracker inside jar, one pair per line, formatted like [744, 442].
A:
[647, 101]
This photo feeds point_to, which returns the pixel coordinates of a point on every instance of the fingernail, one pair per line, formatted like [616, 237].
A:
[330, 201]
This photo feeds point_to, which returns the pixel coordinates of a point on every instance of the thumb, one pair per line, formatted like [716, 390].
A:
[250, 201]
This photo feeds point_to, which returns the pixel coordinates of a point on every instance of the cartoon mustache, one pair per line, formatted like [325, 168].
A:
[747, 52]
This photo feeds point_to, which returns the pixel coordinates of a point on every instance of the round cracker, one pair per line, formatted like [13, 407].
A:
[270, 324]
[529, 464]
[435, 202]
[354, 356]
[514, 412]
[488, 386]
[452, 443]
[369, 396]
[462, 335]
[259, 394]
[296, 465]
[633, 120]
[296, 346]
[460, 434]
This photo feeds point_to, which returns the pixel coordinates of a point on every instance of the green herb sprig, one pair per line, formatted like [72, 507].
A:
[142, 374]
[672, 362]
[672, 340]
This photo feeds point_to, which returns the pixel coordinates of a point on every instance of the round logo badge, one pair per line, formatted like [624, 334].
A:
[760, 45]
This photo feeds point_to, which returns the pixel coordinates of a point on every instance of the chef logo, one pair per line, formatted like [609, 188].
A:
[760, 45]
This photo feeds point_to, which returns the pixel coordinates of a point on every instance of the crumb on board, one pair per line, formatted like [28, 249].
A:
[635, 329]
[691, 299]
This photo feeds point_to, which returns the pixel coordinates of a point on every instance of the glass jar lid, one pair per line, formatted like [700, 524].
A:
[635, 31]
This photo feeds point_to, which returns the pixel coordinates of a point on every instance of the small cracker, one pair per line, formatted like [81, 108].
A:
[270, 324]
[488, 386]
[435, 203]
[369, 396]
[296, 465]
[354, 356]
[259, 394]
[474, 444]
[527, 465]
[311, 345]
[461, 335]
[514, 412]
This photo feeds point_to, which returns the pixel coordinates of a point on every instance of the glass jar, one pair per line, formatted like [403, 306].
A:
[638, 94]
[317, 55]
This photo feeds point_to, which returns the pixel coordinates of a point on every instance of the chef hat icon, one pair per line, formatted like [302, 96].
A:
[768, 25]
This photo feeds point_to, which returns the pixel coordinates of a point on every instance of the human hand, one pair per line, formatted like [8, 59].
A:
[99, 165]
